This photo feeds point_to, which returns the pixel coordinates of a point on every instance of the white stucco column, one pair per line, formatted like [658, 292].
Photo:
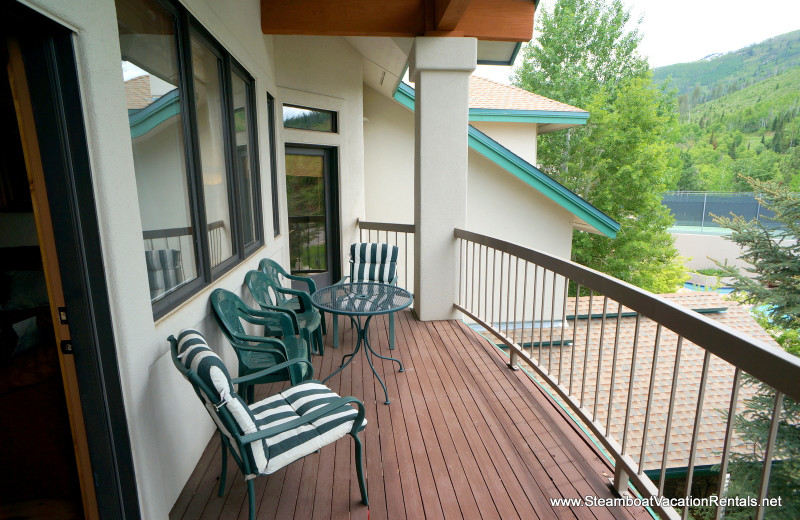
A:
[440, 67]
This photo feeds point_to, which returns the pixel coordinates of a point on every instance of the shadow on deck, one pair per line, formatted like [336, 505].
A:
[464, 437]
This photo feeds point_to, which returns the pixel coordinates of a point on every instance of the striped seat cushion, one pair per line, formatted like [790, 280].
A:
[373, 262]
[164, 270]
[196, 355]
[295, 402]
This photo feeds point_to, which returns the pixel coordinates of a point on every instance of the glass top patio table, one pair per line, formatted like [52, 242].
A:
[362, 300]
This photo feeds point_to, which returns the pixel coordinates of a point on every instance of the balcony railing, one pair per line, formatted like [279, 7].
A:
[665, 394]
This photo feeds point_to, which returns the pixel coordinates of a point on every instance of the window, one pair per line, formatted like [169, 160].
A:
[304, 118]
[273, 165]
[192, 122]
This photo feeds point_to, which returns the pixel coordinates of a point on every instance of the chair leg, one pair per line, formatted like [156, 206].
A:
[362, 485]
[251, 394]
[391, 331]
[318, 335]
[335, 318]
[224, 473]
[251, 499]
[322, 321]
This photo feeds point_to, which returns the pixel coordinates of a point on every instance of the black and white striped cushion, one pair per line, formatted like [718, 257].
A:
[196, 355]
[373, 262]
[164, 270]
[295, 402]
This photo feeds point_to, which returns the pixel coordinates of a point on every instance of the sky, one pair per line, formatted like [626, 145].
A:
[677, 31]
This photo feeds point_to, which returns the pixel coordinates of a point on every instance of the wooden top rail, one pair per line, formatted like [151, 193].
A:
[386, 226]
[769, 364]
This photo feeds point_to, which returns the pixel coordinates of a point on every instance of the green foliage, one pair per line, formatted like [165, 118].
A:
[625, 157]
[773, 253]
[774, 285]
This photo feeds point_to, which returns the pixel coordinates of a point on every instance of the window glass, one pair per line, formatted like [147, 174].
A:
[241, 118]
[211, 140]
[303, 118]
[305, 192]
[152, 90]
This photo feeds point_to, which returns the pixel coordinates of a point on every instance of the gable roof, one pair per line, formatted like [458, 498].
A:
[589, 218]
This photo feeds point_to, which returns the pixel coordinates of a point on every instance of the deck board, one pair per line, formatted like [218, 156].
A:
[463, 437]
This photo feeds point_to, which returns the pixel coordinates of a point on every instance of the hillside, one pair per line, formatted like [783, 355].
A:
[751, 132]
[705, 80]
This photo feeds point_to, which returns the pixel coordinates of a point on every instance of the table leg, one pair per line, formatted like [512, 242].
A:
[351, 356]
[368, 352]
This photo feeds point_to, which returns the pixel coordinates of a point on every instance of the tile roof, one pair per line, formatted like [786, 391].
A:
[488, 94]
[718, 388]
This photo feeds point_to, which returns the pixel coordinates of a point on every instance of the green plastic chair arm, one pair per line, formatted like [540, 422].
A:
[309, 417]
[272, 370]
[312, 285]
[274, 308]
[256, 317]
[257, 339]
[305, 299]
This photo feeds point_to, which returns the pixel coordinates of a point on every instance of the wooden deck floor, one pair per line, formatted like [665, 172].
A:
[464, 437]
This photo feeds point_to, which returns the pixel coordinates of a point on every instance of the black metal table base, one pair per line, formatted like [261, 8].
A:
[363, 337]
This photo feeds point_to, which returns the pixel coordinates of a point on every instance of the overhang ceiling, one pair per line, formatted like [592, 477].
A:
[491, 20]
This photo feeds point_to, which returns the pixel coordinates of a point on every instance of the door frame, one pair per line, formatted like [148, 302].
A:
[330, 178]
[54, 117]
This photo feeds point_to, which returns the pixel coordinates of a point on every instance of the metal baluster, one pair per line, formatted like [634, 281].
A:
[494, 286]
[698, 417]
[723, 469]
[405, 252]
[516, 288]
[631, 381]
[478, 281]
[613, 370]
[524, 297]
[500, 306]
[563, 324]
[770, 452]
[675, 376]
[486, 286]
[472, 279]
[360, 234]
[586, 346]
[552, 318]
[461, 272]
[600, 358]
[533, 309]
[541, 315]
[508, 292]
[574, 337]
[653, 366]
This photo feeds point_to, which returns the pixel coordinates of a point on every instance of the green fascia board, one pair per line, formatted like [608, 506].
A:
[527, 173]
[528, 116]
[144, 120]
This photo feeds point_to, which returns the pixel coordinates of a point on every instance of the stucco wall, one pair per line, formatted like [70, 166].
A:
[520, 138]
[498, 204]
[168, 427]
[326, 72]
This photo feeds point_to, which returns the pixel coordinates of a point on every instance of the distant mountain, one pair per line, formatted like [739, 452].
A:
[719, 74]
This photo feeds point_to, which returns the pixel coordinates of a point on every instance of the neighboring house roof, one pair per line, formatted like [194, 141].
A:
[492, 101]
[589, 217]
[718, 387]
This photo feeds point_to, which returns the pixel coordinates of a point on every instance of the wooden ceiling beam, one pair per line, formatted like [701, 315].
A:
[449, 12]
[503, 20]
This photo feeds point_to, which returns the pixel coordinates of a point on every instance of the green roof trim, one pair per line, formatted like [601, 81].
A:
[146, 119]
[528, 116]
[527, 173]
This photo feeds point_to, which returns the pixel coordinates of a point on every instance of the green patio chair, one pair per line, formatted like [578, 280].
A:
[270, 434]
[275, 271]
[255, 353]
[371, 262]
[306, 319]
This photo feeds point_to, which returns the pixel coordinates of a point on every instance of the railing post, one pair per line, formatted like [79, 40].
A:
[513, 362]
[620, 482]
